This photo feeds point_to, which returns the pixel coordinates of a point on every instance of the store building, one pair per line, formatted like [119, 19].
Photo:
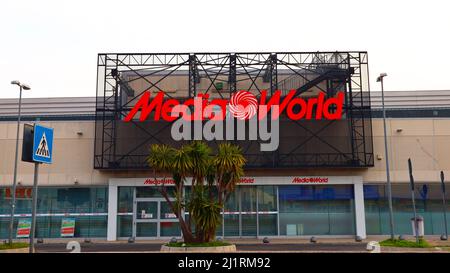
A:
[116, 199]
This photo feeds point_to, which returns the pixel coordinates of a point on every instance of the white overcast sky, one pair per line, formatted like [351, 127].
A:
[53, 45]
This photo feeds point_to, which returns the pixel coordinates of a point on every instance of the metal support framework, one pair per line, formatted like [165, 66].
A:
[194, 77]
[123, 78]
[232, 72]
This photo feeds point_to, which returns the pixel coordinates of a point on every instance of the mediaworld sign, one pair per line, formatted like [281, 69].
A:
[199, 118]
[253, 180]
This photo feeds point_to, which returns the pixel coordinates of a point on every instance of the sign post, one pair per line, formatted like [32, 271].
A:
[41, 153]
[33, 213]
[411, 180]
[444, 237]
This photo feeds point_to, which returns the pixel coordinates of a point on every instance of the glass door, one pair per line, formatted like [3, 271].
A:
[248, 221]
[240, 213]
[168, 221]
[267, 197]
[145, 218]
[153, 218]
[251, 211]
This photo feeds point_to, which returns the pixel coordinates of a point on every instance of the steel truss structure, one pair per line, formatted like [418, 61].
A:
[123, 78]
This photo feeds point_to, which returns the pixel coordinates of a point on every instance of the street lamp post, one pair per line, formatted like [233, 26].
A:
[388, 178]
[13, 194]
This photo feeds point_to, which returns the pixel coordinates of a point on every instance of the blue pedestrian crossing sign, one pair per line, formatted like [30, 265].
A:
[42, 144]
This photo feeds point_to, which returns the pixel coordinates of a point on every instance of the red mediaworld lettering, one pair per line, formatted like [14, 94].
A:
[153, 181]
[339, 102]
[290, 109]
[275, 100]
[307, 180]
[146, 107]
[166, 112]
[203, 109]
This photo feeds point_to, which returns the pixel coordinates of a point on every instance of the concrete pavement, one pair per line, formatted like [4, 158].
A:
[323, 245]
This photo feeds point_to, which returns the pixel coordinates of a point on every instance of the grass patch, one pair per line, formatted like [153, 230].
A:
[210, 244]
[13, 246]
[405, 243]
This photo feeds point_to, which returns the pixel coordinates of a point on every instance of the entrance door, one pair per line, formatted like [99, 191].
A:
[145, 218]
[152, 218]
[240, 215]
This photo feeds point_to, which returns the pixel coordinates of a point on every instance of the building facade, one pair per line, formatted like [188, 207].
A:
[118, 204]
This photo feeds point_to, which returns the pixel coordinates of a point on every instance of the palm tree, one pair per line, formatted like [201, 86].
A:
[229, 163]
[221, 172]
[200, 156]
[165, 159]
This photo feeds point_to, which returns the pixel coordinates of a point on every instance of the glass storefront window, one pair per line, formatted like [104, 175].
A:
[170, 229]
[248, 205]
[248, 199]
[73, 200]
[149, 192]
[268, 224]
[147, 210]
[231, 214]
[124, 226]
[231, 225]
[248, 224]
[99, 200]
[428, 205]
[267, 210]
[248, 210]
[91, 226]
[125, 199]
[146, 229]
[267, 198]
[23, 206]
[232, 202]
[57, 200]
[166, 211]
[316, 210]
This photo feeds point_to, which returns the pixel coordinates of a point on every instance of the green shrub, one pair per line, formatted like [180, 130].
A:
[13, 246]
[405, 243]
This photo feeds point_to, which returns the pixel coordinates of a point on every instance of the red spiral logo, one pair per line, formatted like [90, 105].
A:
[243, 105]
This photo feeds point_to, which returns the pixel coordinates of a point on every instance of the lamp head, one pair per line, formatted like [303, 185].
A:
[380, 78]
[23, 86]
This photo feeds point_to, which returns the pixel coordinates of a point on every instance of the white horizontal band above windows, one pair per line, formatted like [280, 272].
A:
[248, 180]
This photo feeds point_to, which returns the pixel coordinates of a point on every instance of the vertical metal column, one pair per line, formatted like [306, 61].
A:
[193, 75]
[273, 73]
[257, 212]
[232, 74]
[158, 219]
[133, 232]
[278, 209]
[238, 191]
[444, 208]
[273, 87]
